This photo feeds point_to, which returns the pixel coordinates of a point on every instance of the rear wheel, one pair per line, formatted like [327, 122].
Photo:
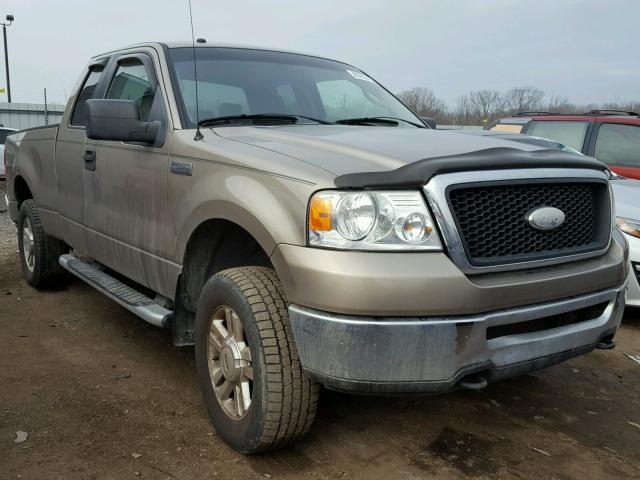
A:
[39, 252]
[257, 395]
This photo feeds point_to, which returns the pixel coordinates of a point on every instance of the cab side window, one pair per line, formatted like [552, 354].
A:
[79, 116]
[131, 82]
[618, 144]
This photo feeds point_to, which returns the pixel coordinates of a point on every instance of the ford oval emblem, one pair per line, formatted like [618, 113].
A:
[545, 218]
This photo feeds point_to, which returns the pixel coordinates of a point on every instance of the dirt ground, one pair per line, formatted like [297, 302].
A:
[103, 395]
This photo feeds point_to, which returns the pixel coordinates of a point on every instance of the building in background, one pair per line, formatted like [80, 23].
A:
[27, 115]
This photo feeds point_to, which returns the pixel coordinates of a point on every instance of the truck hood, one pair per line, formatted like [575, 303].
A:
[351, 149]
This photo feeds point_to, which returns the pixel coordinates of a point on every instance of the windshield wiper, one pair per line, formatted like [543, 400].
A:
[259, 117]
[367, 121]
[391, 121]
[419, 125]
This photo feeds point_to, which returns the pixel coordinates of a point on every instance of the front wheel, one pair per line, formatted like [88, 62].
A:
[257, 395]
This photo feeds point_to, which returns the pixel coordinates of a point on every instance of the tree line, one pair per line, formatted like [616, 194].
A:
[480, 107]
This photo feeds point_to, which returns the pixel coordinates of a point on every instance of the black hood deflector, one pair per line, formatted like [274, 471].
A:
[416, 174]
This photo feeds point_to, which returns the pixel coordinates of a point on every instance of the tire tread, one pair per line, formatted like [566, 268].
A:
[291, 395]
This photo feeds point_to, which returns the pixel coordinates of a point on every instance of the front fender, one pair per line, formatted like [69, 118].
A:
[270, 208]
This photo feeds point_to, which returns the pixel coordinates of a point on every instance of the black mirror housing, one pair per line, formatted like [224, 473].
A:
[428, 121]
[119, 120]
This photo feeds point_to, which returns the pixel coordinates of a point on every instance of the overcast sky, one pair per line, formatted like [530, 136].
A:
[582, 49]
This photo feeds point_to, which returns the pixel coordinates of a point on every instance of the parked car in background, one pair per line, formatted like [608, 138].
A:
[626, 194]
[4, 131]
[612, 136]
[627, 201]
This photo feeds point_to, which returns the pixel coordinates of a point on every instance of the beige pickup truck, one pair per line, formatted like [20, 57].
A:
[300, 226]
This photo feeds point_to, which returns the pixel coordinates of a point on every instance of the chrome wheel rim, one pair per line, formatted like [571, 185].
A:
[229, 360]
[28, 245]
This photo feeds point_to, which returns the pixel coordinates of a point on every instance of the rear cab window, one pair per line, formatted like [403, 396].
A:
[570, 133]
[131, 82]
[618, 145]
[345, 99]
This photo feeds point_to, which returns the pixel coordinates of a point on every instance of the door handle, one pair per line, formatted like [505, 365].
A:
[89, 160]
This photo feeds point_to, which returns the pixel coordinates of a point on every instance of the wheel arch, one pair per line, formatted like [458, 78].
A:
[213, 245]
[21, 190]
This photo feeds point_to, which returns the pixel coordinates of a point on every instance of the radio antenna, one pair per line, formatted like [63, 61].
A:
[198, 135]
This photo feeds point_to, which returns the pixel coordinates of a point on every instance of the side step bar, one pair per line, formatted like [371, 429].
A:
[128, 297]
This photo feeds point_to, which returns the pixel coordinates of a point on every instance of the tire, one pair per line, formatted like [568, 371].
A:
[39, 252]
[283, 398]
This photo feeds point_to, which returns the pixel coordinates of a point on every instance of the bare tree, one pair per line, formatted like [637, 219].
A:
[522, 99]
[423, 102]
[558, 104]
[463, 113]
[481, 107]
[485, 104]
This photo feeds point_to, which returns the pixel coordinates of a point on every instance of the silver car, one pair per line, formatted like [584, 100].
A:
[627, 202]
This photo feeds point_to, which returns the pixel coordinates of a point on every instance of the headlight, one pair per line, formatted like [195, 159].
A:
[629, 226]
[367, 220]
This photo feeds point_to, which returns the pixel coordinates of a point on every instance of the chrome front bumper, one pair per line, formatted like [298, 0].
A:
[402, 355]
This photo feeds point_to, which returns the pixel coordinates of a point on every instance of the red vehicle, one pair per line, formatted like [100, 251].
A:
[612, 136]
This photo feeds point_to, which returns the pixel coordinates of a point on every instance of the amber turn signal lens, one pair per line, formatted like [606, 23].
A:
[629, 226]
[320, 214]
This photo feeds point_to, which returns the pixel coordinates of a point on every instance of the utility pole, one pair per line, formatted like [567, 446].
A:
[46, 112]
[9, 19]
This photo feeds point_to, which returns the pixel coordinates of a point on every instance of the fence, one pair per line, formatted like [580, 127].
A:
[27, 115]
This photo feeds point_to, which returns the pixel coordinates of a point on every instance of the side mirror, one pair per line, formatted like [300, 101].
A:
[430, 122]
[119, 120]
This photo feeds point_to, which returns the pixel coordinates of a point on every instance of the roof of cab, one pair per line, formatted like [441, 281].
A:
[189, 44]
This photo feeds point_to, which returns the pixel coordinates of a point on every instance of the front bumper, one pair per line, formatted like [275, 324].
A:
[428, 284]
[404, 355]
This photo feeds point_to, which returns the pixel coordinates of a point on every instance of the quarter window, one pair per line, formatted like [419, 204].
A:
[618, 145]
[79, 117]
[570, 134]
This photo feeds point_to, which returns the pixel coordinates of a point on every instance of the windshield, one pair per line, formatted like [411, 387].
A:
[570, 133]
[541, 142]
[234, 81]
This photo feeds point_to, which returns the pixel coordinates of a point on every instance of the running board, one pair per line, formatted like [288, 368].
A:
[131, 299]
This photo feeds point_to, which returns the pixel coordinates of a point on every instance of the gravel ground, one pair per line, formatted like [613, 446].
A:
[103, 395]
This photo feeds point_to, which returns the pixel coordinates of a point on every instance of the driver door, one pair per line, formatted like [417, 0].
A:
[126, 183]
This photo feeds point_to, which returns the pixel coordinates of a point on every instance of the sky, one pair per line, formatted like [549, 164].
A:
[581, 49]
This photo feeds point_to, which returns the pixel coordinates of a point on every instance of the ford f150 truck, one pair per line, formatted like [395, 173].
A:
[300, 226]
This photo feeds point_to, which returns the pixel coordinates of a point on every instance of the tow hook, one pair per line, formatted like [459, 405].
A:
[606, 344]
[473, 381]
